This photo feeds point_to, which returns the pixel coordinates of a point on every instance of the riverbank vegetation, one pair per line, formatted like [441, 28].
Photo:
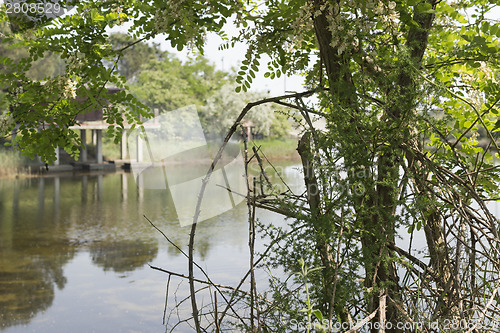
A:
[12, 163]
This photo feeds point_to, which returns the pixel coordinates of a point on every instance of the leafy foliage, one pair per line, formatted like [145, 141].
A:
[169, 84]
[132, 54]
[223, 107]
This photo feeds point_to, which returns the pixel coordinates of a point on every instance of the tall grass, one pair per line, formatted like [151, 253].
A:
[10, 162]
[277, 148]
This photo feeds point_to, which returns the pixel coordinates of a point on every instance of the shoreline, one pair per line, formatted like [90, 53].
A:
[36, 171]
[15, 166]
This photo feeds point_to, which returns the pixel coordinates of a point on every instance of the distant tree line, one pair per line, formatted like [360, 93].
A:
[160, 80]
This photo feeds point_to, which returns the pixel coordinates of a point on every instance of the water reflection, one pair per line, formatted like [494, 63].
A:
[27, 281]
[123, 256]
[30, 261]
[66, 242]
[47, 221]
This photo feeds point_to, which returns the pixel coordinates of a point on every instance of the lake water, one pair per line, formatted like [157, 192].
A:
[74, 253]
[75, 249]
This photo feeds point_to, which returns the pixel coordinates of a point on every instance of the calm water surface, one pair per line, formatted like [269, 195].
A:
[74, 253]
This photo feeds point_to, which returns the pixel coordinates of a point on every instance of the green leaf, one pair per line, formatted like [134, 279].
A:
[95, 15]
[479, 40]
[467, 38]
[425, 8]
[111, 16]
[485, 27]
[318, 314]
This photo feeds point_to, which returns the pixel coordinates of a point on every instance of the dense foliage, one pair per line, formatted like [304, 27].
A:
[165, 83]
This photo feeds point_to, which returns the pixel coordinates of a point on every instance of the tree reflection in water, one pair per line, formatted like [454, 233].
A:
[47, 225]
[27, 283]
[123, 256]
[44, 222]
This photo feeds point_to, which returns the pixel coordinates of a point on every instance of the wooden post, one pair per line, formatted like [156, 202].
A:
[57, 161]
[83, 150]
[99, 146]
[139, 148]
[123, 152]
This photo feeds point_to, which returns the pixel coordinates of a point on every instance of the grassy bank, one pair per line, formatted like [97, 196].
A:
[277, 149]
[12, 163]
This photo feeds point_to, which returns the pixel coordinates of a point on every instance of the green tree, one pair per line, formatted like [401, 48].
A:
[134, 54]
[14, 49]
[383, 67]
[169, 84]
[382, 71]
[224, 106]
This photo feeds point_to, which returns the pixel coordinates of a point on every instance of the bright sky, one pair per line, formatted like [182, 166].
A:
[226, 59]
[232, 57]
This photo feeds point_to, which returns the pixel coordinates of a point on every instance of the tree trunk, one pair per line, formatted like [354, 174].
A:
[375, 210]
